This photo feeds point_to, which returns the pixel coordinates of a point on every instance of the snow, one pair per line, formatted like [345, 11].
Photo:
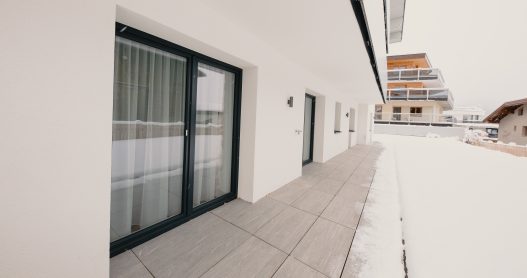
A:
[464, 210]
[377, 246]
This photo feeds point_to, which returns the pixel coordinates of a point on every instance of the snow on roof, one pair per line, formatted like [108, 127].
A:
[504, 110]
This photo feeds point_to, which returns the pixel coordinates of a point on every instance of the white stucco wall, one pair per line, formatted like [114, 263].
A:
[506, 132]
[277, 148]
[429, 108]
[365, 124]
[57, 72]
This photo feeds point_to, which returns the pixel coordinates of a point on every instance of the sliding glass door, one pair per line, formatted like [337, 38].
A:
[214, 129]
[147, 136]
[174, 136]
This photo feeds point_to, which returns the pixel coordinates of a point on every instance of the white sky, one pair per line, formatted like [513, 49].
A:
[479, 45]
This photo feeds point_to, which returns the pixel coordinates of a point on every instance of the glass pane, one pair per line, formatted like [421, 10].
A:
[147, 136]
[393, 75]
[214, 127]
[416, 94]
[308, 107]
[409, 74]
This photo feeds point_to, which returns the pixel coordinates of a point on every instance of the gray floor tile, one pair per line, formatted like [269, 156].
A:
[311, 169]
[254, 258]
[289, 192]
[354, 192]
[286, 229]
[313, 201]
[328, 185]
[192, 248]
[325, 247]
[250, 217]
[209, 245]
[340, 175]
[309, 181]
[346, 207]
[293, 268]
[126, 265]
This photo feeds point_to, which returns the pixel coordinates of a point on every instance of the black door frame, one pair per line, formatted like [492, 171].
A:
[312, 131]
[187, 210]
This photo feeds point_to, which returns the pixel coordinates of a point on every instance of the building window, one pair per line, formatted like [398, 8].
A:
[352, 120]
[396, 113]
[378, 112]
[416, 111]
[524, 131]
[520, 111]
[338, 107]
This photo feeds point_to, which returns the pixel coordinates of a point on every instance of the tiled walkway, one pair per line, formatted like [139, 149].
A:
[304, 229]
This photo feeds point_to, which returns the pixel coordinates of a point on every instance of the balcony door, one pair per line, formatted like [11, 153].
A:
[396, 116]
[309, 129]
[175, 128]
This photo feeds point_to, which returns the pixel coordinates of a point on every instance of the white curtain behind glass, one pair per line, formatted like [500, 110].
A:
[148, 136]
[214, 127]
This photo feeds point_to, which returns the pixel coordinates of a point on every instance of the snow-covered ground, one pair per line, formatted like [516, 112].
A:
[464, 211]
[377, 248]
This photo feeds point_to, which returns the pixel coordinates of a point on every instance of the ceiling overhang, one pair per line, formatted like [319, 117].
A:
[397, 10]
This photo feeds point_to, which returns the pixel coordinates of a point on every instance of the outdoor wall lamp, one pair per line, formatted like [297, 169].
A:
[347, 115]
[290, 102]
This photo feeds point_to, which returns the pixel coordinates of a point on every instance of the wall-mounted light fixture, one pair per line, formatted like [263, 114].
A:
[347, 115]
[290, 102]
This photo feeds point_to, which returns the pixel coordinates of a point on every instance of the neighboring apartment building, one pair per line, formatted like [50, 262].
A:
[512, 119]
[416, 93]
[127, 118]
[466, 114]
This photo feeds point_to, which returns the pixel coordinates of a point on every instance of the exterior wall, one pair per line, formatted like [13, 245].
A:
[408, 63]
[397, 85]
[365, 125]
[57, 72]
[272, 126]
[506, 132]
[57, 77]
[429, 107]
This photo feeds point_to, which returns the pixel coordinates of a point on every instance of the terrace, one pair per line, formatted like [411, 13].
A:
[304, 229]
[442, 95]
[413, 119]
[420, 74]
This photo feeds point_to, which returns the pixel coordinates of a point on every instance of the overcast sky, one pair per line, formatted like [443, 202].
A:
[479, 45]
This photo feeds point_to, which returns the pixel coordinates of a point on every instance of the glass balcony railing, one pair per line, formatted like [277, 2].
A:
[414, 74]
[413, 118]
[434, 94]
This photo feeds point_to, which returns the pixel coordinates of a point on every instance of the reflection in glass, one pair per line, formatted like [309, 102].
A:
[147, 136]
[213, 138]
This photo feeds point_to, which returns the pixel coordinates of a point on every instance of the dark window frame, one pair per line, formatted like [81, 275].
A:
[338, 118]
[312, 132]
[416, 111]
[188, 211]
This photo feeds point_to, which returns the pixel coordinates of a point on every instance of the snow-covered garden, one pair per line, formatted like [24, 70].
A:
[463, 209]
